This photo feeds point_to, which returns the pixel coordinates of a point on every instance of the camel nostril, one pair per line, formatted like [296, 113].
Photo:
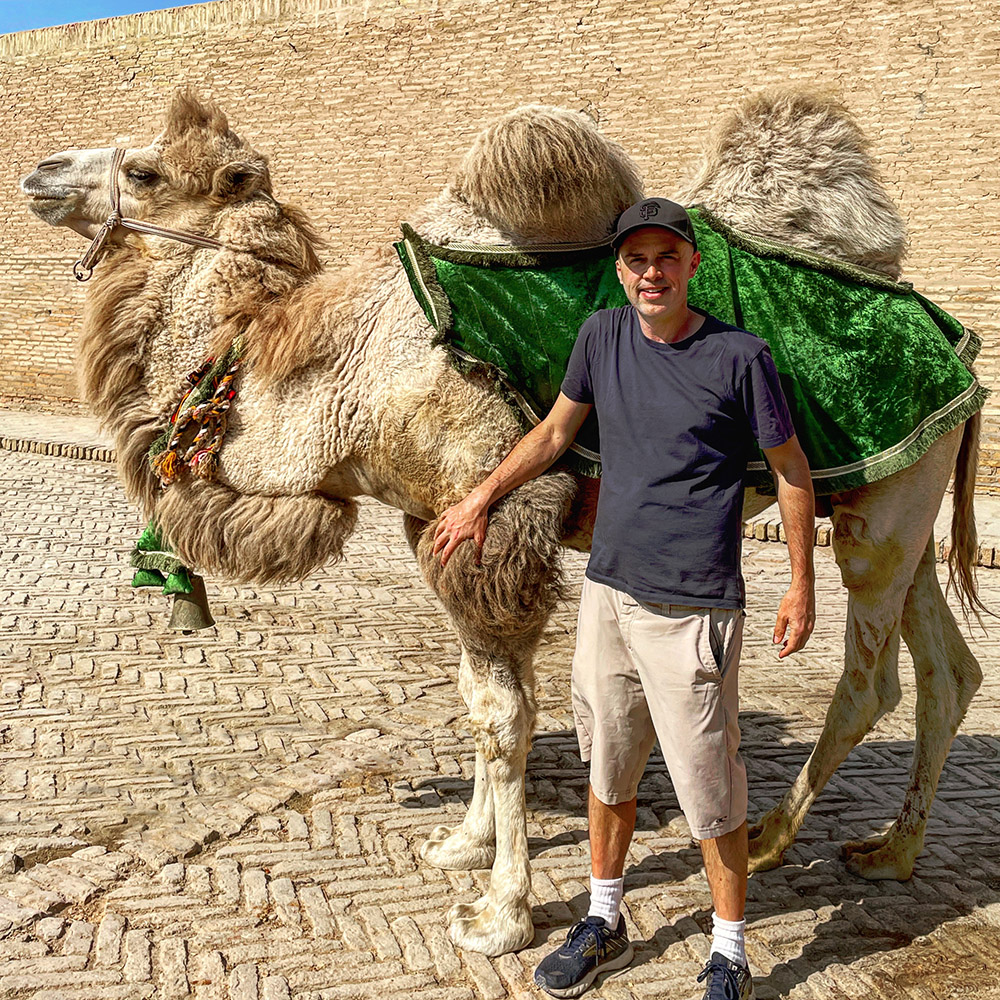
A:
[53, 163]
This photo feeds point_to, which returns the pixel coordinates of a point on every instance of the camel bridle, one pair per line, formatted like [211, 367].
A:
[84, 267]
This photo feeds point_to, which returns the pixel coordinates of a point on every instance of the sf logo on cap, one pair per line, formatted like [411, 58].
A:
[648, 209]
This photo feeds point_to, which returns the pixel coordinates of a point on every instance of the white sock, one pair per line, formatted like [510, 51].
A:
[606, 899]
[727, 939]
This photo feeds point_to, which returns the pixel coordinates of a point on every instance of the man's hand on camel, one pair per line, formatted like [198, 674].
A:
[796, 619]
[467, 519]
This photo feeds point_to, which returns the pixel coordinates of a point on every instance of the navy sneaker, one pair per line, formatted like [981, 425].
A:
[726, 980]
[591, 947]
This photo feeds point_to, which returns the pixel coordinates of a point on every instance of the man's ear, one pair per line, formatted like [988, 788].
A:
[695, 261]
[618, 270]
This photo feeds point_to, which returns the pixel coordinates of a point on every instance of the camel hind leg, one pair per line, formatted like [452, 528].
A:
[948, 677]
[880, 535]
[499, 610]
[867, 689]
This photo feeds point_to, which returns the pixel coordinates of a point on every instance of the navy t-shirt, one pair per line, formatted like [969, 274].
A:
[677, 426]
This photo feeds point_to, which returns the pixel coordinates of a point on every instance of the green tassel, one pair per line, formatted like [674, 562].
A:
[178, 583]
[156, 566]
[153, 553]
[161, 561]
[148, 578]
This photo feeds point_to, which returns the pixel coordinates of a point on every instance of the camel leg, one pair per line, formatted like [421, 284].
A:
[948, 677]
[499, 609]
[502, 719]
[880, 534]
[868, 688]
[473, 844]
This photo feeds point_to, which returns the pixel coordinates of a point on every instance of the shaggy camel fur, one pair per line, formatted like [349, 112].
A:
[343, 395]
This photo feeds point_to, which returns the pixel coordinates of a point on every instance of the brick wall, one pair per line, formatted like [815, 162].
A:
[365, 107]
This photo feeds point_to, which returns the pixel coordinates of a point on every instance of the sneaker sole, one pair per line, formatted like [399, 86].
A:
[581, 987]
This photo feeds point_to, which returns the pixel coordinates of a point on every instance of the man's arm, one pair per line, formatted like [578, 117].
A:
[532, 455]
[797, 612]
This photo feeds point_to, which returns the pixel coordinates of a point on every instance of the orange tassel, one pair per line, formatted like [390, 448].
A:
[165, 466]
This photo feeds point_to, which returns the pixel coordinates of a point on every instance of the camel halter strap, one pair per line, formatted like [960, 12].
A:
[84, 267]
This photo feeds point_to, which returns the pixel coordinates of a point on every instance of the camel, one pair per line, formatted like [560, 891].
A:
[342, 394]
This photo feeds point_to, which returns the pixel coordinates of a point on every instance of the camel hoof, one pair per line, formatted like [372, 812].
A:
[877, 859]
[454, 850]
[767, 847]
[493, 929]
[851, 847]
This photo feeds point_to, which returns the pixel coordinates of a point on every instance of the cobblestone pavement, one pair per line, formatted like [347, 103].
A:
[236, 813]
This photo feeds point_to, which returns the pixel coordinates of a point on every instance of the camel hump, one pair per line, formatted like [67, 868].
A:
[796, 166]
[542, 174]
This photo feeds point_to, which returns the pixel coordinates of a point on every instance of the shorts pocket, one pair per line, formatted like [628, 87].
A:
[716, 637]
[709, 658]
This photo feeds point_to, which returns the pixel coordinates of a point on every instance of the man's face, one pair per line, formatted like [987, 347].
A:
[654, 266]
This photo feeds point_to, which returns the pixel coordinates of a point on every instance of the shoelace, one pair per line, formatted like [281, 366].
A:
[577, 940]
[730, 984]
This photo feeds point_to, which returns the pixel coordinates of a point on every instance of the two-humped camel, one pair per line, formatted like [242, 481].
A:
[343, 395]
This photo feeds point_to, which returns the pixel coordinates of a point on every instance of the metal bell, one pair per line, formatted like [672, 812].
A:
[191, 611]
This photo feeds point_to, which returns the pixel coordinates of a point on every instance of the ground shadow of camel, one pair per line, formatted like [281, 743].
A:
[812, 897]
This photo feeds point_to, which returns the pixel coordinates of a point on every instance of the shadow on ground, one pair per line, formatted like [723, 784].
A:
[850, 918]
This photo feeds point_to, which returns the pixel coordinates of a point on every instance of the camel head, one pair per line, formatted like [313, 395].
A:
[195, 166]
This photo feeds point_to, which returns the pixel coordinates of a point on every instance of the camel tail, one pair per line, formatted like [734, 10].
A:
[964, 541]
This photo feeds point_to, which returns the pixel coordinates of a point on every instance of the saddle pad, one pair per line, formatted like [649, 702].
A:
[874, 372]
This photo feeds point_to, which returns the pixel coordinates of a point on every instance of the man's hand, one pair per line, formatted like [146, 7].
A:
[467, 519]
[797, 612]
[796, 619]
[532, 455]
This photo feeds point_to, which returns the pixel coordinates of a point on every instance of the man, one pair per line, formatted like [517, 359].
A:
[680, 398]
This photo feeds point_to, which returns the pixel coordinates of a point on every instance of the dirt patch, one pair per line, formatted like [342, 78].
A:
[300, 802]
[46, 854]
[939, 972]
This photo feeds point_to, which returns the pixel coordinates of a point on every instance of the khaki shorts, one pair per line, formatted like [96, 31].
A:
[669, 672]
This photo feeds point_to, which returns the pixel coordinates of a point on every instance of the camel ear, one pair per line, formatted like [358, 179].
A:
[238, 179]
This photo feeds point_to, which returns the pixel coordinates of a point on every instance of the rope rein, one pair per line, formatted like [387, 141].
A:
[84, 267]
[198, 426]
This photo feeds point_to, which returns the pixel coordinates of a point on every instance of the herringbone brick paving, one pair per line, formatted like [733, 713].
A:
[236, 813]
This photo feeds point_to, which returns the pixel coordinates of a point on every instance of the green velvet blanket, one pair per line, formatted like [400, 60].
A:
[873, 371]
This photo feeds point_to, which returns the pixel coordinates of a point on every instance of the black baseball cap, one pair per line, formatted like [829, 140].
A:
[654, 212]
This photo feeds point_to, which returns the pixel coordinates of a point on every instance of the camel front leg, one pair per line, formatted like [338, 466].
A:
[473, 844]
[502, 716]
[948, 676]
[499, 606]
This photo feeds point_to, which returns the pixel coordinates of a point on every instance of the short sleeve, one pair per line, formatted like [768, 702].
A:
[765, 403]
[577, 384]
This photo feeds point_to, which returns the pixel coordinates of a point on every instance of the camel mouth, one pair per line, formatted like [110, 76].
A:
[40, 185]
[34, 193]
[48, 205]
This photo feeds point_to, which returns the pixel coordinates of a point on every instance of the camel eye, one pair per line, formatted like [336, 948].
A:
[143, 177]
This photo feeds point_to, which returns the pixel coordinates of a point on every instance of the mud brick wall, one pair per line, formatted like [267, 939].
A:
[364, 108]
